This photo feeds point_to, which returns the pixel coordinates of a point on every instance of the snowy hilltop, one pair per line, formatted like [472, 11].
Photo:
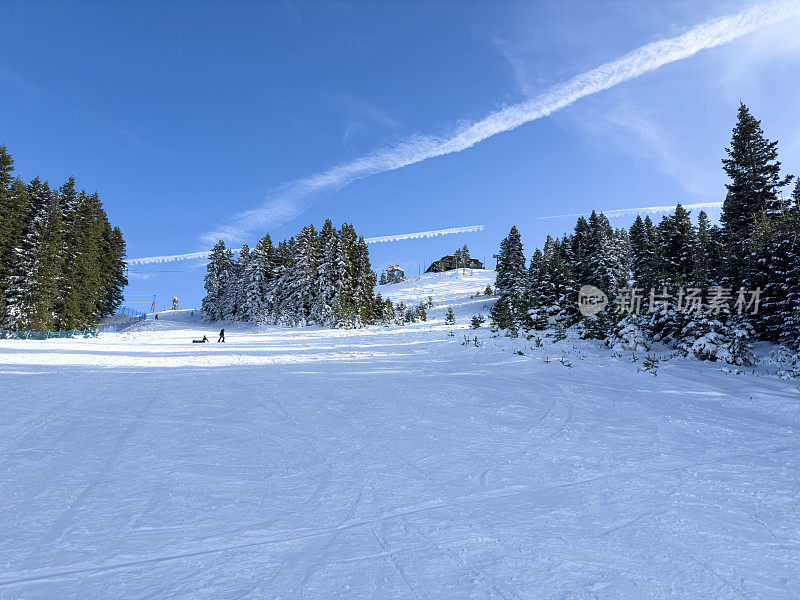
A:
[397, 461]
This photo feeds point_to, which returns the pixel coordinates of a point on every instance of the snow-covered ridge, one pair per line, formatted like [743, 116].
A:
[463, 289]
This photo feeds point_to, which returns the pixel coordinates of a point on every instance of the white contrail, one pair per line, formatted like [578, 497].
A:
[423, 234]
[148, 260]
[293, 198]
[618, 212]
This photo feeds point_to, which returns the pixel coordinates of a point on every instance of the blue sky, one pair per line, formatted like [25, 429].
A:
[185, 115]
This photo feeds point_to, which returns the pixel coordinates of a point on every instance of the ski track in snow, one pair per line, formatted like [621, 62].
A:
[389, 462]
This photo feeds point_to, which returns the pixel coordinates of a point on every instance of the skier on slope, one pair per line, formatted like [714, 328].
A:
[221, 336]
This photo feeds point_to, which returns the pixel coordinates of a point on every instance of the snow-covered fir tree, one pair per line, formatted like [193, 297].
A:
[510, 311]
[311, 279]
[330, 277]
[56, 272]
[257, 278]
[753, 168]
[218, 283]
[31, 285]
[677, 240]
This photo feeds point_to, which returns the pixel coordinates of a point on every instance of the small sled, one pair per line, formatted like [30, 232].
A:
[203, 341]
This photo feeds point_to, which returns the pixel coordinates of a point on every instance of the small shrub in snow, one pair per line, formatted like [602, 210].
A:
[450, 317]
[650, 364]
[488, 291]
[420, 313]
[472, 341]
[477, 321]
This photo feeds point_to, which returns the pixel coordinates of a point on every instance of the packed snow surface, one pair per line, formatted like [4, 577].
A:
[389, 462]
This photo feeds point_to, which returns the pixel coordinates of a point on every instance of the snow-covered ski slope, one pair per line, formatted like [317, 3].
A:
[389, 463]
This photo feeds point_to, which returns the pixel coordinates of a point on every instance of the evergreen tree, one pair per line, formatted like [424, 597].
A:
[555, 282]
[776, 257]
[80, 298]
[15, 209]
[32, 284]
[638, 245]
[330, 277]
[753, 168]
[299, 281]
[112, 267]
[796, 193]
[652, 270]
[364, 279]
[707, 254]
[242, 307]
[578, 251]
[258, 275]
[219, 278]
[620, 260]
[677, 239]
[603, 265]
[536, 304]
[510, 310]
[62, 264]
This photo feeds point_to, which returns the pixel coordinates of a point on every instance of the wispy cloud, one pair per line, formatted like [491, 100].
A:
[137, 140]
[619, 212]
[641, 134]
[519, 67]
[293, 198]
[363, 117]
[148, 260]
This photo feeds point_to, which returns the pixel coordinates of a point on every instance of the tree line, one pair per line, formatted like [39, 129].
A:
[62, 264]
[660, 267]
[316, 277]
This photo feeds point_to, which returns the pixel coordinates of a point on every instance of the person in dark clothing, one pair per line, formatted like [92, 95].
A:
[156, 316]
[221, 336]
[205, 339]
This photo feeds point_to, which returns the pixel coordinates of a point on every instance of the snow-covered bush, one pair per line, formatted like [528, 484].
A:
[793, 370]
[628, 334]
[595, 327]
[666, 325]
[710, 339]
[740, 345]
